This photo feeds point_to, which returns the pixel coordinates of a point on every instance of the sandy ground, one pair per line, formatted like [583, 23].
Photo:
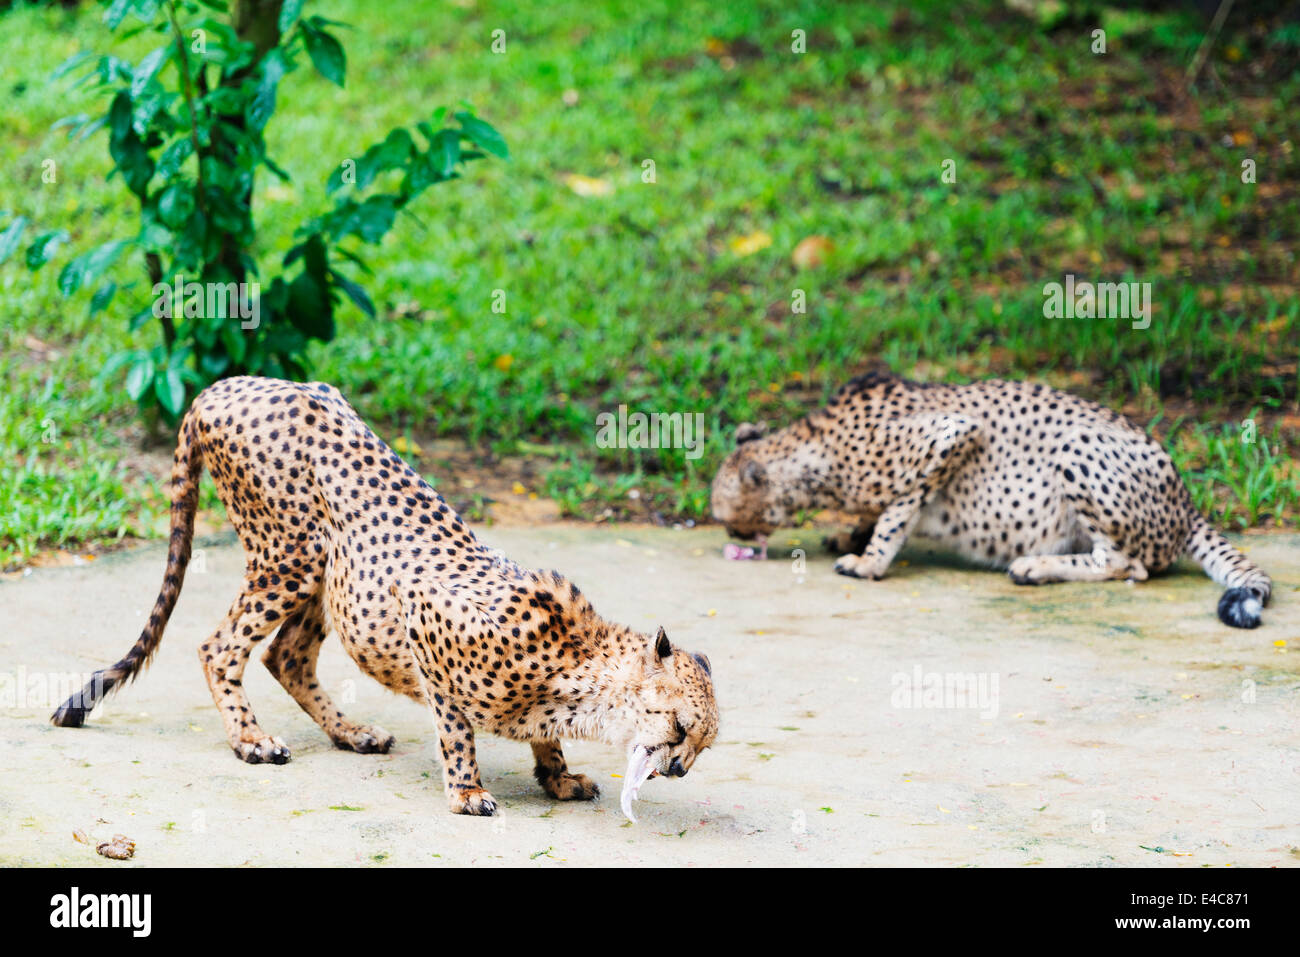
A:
[1118, 725]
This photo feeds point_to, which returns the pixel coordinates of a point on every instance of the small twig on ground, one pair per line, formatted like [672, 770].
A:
[1207, 42]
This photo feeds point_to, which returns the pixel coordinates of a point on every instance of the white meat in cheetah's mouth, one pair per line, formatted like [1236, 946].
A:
[640, 768]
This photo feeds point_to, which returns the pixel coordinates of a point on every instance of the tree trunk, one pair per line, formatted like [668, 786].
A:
[257, 22]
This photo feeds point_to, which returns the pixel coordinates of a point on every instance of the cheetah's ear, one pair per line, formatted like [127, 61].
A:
[753, 473]
[749, 431]
[659, 648]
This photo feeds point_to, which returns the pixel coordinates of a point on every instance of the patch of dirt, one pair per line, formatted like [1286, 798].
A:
[482, 486]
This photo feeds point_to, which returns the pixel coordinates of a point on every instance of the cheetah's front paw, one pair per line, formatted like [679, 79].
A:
[364, 740]
[1023, 571]
[475, 801]
[265, 750]
[859, 566]
[571, 787]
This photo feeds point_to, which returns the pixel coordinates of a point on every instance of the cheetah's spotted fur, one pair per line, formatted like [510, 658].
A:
[1020, 476]
[332, 520]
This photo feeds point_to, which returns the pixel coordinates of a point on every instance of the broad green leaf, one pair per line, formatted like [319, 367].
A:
[369, 220]
[71, 63]
[71, 276]
[89, 266]
[316, 260]
[103, 256]
[375, 218]
[393, 153]
[115, 363]
[445, 152]
[354, 292]
[10, 237]
[326, 53]
[43, 248]
[483, 134]
[148, 68]
[140, 318]
[117, 12]
[126, 147]
[170, 160]
[262, 104]
[170, 389]
[102, 297]
[310, 308]
[139, 377]
[154, 236]
[176, 204]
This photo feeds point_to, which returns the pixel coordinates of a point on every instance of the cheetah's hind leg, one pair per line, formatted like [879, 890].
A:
[1104, 563]
[255, 613]
[292, 656]
[1118, 487]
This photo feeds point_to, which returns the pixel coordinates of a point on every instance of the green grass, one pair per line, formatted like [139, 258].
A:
[1259, 478]
[1066, 162]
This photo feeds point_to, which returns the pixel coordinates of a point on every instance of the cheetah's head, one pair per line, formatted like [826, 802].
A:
[743, 497]
[675, 718]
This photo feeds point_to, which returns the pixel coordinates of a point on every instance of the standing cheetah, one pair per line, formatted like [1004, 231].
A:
[336, 528]
[1019, 476]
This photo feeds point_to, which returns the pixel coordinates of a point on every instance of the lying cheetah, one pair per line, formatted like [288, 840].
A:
[1019, 476]
[334, 523]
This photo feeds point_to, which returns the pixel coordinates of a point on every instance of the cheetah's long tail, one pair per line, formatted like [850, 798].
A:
[186, 466]
[1248, 587]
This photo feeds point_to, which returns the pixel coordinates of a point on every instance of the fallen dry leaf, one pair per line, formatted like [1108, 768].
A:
[407, 446]
[588, 185]
[748, 245]
[42, 349]
[812, 252]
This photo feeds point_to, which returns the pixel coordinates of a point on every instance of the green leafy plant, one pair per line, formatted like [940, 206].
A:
[186, 131]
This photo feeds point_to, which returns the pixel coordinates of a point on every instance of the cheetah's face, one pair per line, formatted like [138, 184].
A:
[743, 498]
[679, 716]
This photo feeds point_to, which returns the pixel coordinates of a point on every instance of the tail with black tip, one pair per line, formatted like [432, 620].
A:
[1248, 587]
[1240, 608]
[185, 500]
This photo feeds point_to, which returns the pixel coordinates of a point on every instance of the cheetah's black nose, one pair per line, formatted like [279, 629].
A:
[676, 769]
